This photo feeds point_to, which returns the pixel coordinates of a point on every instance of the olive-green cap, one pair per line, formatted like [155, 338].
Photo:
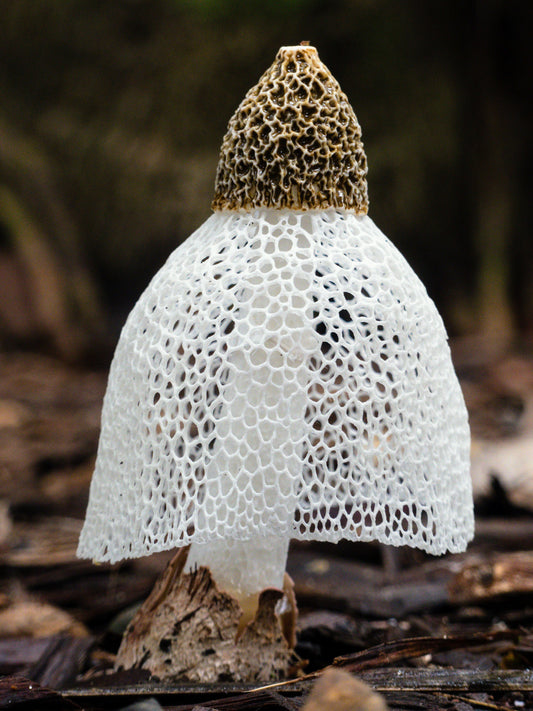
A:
[294, 142]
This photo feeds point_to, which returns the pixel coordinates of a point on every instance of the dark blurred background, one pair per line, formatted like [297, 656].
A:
[112, 113]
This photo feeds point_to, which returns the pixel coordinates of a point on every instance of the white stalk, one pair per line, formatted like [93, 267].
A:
[257, 458]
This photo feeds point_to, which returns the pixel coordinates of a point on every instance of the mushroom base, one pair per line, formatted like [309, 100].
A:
[189, 630]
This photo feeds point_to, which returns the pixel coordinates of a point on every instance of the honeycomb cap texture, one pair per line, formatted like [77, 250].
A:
[294, 142]
[285, 373]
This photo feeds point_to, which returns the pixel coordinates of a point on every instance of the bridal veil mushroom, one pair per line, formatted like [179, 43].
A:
[285, 374]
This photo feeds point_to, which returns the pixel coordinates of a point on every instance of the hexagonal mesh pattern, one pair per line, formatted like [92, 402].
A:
[294, 142]
[284, 373]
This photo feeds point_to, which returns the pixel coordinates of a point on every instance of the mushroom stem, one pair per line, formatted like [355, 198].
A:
[251, 479]
[243, 568]
[252, 474]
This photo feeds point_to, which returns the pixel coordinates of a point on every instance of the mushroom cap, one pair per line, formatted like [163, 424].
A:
[294, 142]
[284, 373]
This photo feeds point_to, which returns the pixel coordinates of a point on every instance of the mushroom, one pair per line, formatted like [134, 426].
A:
[285, 374]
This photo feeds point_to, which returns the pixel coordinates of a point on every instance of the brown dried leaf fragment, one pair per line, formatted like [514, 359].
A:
[337, 690]
[31, 618]
[485, 578]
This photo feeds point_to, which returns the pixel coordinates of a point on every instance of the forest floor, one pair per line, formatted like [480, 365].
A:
[454, 632]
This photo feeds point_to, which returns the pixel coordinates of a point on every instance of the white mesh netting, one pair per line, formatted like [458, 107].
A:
[284, 373]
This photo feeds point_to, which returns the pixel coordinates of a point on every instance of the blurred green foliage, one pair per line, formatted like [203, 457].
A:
[128, 102]
[218, 9]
